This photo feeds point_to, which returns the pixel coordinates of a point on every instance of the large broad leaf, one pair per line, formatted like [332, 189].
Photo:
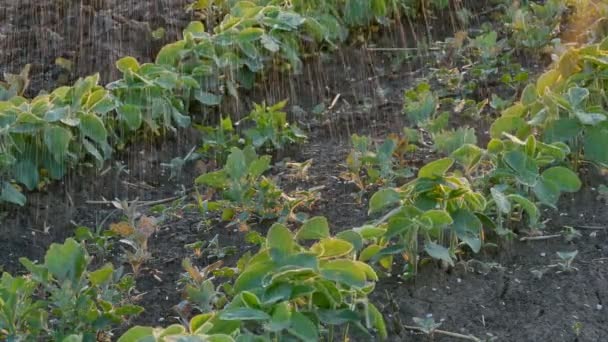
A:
[468, 155]
[101, 275]
[127, 64]
[281, 317]
[561, 130]
[243, 314]
[383, 199]
[523, 167]
[527, 205]
[590, 119]
[437, 218]
[547, 192]
[66, 261]
[11, 195]
[438, 252]
[138, 334]
[252, 277]
[468, 228]
[565, 179]
[345, 272]
[26, 173]
[436, 168]
[303, 328]
[131, 115]
[57, 140]
[92, 127]
[279, 239]
[513, 125]
[595, 143]
[216, 179]
[576, 96]
[170, 53]
[331, 248]
[377, 320]
[547, 81]
[313, 229]
[236, 165]
[259, 166]
[207, 98]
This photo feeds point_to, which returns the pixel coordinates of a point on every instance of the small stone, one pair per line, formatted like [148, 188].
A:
[599, 306]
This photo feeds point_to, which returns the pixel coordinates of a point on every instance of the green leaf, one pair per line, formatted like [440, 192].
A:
[250, 34]
[468, 155]
[303, 328]
[438, 252]
[252, 276]
[353, 237]
[207, 98]
[345, 272]
[57, 140]
[527, 206]
[377, 320]
[547, 192]
[528, 96]
[468, 228]
[436, 168]
[236, 165]
[259, 166]
[595, 143]
[101, 275]
[502, 201]
[513, 125]
[438, 218]
[565, 179]
[546, 81]
[281, 317]
[279, 238]
[332, 248]
[561, 130]
[26, 173]
[66, 261]
[127, 64]
[92, 127]
[138, 334]
[131, 115]
[195, 28]
[524, 167]
[11, 194]
[243, 314]
[590, 119]
[313, 229]
[382, 199]
[577, 95]
[216, 179]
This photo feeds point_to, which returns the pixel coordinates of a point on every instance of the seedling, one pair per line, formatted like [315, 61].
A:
[570, 233]
[567, 258]
[427, 324]
[176, 165]
[197, 248]
[135, 232]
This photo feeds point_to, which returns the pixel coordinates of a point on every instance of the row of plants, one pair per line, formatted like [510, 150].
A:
[289, 289]
[536, 147]
[71, 127]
